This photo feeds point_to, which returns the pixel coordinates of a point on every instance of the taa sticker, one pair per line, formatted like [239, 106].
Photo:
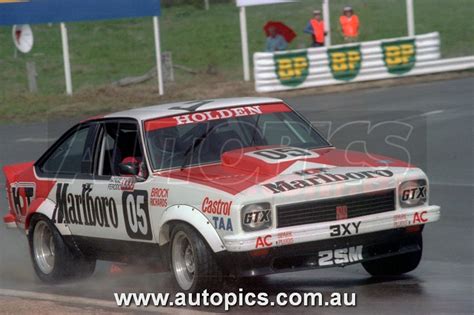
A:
[224, 224]
[340, 256]
[292, 69]
[345, 229]
[345, 62]
[399, 56]
[136, 214]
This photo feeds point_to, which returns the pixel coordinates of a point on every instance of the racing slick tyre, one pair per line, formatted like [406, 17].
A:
[53, 260]
[193, 263]
[395, 265]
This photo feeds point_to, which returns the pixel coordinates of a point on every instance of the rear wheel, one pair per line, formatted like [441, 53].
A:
[192, 261]
[53, 260]
[395, 265]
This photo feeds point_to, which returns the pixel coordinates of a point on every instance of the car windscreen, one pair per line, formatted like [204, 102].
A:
[202, 137]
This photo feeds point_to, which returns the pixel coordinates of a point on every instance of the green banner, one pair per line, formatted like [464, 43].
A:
[292, 69]
[345, 62]
[399, 56]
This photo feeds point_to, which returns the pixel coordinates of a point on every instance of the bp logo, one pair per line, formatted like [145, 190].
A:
[345, 62]
[400, 56]
[292, 69]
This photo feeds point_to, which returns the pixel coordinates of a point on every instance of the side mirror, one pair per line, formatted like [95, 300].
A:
[131, 169]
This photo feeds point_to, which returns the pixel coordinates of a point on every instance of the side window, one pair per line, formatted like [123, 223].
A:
[120, 144]
[71, 156]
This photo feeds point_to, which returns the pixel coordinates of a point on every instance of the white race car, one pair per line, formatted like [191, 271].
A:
[229, 187]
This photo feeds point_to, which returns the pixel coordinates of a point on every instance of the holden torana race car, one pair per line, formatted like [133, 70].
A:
[231, 187]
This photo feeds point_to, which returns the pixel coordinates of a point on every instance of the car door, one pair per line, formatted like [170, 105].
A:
[118, 142]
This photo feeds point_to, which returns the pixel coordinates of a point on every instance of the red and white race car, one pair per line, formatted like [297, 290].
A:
[241, 187]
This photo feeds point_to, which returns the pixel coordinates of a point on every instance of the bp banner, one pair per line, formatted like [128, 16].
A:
[399, 56]
[344, 63]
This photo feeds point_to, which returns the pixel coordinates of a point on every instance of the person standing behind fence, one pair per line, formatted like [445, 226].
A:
[275, 42]
[349, 25]
[315, 27]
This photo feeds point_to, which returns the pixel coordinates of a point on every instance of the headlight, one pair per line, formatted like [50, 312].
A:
[413, 193]
[256, 217]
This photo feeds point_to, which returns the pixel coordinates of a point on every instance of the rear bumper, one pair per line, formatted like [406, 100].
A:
[325, 231]
[322, 254]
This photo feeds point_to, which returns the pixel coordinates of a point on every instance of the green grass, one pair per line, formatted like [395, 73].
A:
[105, 51]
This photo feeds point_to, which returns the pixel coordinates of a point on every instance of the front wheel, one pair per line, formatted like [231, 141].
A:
[194, 265]
[396, 265]
[53, 260]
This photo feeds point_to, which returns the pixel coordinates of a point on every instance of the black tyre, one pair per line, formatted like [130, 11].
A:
[53, 260]
[193, 263]
[395, 265]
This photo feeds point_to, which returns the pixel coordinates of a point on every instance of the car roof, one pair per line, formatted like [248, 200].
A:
[164, 110]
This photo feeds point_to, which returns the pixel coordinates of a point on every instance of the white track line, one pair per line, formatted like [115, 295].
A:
[435, 112]
[76, 300]
[36, 140]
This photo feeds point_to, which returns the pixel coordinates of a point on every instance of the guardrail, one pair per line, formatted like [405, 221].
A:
[373, 60]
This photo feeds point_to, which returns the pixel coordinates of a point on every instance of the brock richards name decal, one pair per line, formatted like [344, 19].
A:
[100, 211]
[323, 178]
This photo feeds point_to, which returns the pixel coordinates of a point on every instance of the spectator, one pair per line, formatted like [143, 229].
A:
[315, 27]
[349, 25]
[275, 42]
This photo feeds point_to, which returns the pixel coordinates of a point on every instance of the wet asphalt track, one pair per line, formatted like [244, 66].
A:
[433, 122]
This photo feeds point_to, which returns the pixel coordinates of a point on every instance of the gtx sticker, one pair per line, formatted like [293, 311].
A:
[257, 216]
[136, 214]
[344, 229]
[325, 178]
[224, 224]
[22, 195]
[277, 155]
[414, 193]
[84, 209]
[159, 197]
[216, 206]
[340, 256]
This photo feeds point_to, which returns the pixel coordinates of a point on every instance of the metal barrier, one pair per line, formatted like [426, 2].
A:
[374, 60]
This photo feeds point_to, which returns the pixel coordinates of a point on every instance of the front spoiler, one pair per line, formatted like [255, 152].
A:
[322, 231]
[306, 256]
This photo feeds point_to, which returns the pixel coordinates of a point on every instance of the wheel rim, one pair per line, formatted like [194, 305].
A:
[183, 258]
[43, 247]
